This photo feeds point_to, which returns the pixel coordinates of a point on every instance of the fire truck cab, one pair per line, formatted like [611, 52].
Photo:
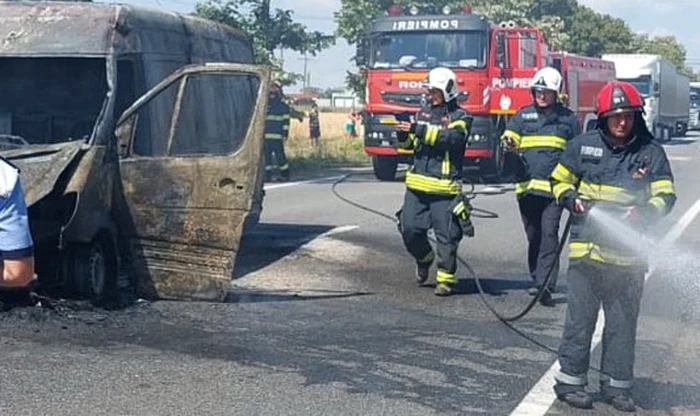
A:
[494, 64]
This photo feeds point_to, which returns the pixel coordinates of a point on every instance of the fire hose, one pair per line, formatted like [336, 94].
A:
[470, 195]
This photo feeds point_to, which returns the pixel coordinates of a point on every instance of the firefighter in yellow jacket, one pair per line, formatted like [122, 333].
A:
[617, 170]
[276, 133]
[433, 196]
[539, 132]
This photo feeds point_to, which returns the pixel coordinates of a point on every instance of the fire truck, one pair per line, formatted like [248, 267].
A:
[494, 64]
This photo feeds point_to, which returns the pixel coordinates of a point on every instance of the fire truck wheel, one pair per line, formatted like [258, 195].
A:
[384, 167]
[495, 167]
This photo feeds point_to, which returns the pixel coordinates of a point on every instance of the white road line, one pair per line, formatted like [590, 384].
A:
[317, 180]
[541, 396]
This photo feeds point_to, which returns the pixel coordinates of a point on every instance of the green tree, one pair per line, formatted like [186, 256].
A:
[694, 76]
[667, 46]
[269, 30]
[593, 34]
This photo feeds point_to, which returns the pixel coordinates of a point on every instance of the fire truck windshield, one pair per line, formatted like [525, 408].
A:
[452, 49]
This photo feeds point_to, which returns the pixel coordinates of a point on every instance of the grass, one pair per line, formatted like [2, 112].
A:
[333, 150]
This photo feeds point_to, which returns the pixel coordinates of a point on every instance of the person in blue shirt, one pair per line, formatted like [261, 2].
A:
[16, 243]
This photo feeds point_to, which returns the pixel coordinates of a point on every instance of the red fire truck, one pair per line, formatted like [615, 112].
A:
[493, 63]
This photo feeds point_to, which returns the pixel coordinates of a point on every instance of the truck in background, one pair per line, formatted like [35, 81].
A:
[664, 89]
[582, 77]
[494, 64]
[694, 122]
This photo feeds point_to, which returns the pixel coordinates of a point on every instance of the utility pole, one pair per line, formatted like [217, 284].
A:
[265, 15]
[306, 60]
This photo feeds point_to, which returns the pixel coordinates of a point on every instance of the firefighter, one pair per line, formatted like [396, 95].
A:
[539, 133]
[616, 169]
[433, 196]
[276, 133]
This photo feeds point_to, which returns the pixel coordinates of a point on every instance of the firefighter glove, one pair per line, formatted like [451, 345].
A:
[418, 130]
[461, 209]
[574, 204]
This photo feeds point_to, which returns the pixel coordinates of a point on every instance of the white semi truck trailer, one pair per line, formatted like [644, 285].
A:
[664, 88]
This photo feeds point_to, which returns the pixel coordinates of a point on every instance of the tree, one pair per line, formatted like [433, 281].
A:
[668, 46]
[593, 34]
[269, 30]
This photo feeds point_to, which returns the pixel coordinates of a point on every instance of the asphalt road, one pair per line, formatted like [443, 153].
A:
[325, 318]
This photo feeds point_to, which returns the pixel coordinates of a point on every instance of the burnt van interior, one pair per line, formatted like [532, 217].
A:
[51, 100]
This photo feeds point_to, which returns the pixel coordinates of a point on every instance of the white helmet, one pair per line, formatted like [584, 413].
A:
[445, 80]
[547, 79]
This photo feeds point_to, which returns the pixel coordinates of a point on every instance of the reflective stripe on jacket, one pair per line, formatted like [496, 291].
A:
[438, 138]
[638, 174]
[277, 120]
[540, 139]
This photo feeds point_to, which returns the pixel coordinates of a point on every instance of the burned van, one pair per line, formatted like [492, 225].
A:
[138, 133]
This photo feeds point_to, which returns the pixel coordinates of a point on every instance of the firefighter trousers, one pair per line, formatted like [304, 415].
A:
[541, 217]
[274, 151]
[619, 289]
[422, 211]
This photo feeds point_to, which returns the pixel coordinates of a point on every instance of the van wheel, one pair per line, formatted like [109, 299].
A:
[94, 271]
[384, 167]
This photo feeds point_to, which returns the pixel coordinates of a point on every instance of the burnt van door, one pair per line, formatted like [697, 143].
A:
[190, 152]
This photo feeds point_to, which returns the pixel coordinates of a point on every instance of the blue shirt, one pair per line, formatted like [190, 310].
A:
[15, 237]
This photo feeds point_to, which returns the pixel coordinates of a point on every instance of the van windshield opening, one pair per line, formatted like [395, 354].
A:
[50, 100]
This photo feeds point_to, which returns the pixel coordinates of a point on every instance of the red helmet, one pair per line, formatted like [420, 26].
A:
[618, 97]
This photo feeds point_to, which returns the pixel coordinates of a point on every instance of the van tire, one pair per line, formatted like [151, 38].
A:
[93, 269]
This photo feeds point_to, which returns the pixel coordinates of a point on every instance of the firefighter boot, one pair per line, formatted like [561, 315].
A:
[620, 399]
[546, 299]
[422, 265]
[574, 396]
[422, 272]
[443, 289]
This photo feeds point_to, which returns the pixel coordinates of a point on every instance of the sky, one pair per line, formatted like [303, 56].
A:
[327, 69]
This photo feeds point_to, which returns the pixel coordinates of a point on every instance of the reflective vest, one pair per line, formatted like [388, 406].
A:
[438, 138]
[638, 174]
[540, 140]
[277, 120]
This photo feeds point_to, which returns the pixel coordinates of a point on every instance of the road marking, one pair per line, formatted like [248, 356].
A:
[317, 180]
[541, 397]
[680, 158]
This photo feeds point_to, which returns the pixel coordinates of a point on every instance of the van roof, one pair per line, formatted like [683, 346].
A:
[88, 29]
